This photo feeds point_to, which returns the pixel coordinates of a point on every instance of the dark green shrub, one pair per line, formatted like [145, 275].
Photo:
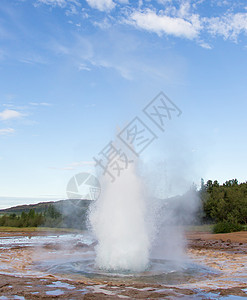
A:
[226, 227]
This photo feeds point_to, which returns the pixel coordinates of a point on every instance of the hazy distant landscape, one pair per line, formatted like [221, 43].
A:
[223, 205]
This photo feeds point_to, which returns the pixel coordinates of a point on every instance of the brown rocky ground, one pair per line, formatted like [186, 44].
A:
[234, 241]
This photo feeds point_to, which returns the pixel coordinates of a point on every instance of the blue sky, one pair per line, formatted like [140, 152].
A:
[73, 71]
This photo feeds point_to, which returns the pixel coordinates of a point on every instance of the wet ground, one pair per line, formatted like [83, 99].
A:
[60, 266]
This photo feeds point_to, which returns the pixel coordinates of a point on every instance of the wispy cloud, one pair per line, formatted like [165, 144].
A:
[32, 59]
[10, 114]
[94, 52]
[60, 3]
[102, 5]
[230, 26]
[71, 6]
[205, 45]
[83, 67]
[40, 104]
[8, 105]
[5, 131]
[104, 24]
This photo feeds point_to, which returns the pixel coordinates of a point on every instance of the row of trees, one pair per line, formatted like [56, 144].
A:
[224, 204]
[50, 218]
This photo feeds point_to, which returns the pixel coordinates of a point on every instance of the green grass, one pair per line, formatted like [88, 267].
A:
[245, 227]
[37, 229]
[200, 228]
[227, 227]
[206, 228]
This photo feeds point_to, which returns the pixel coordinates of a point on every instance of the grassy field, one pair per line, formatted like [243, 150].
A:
[37, 229]
[200, 228]
[206, 228]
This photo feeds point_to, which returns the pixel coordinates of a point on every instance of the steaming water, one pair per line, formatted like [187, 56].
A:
[159, 271]
[118, 221]
[68, 255]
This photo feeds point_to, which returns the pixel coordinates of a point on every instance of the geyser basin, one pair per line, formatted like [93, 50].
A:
[72, 256]
[158, 271]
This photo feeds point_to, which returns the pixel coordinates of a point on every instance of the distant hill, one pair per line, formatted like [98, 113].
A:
[73, 213]
[61, 205]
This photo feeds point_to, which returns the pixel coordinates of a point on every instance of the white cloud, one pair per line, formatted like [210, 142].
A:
[184, 9]
[163, 24]
[102, 5]
[5, 131]
[230, 26]
[205, 45]
[177, 18]
[182, 21]
[10, 114]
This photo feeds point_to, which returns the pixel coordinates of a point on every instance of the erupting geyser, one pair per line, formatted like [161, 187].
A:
[118, 221]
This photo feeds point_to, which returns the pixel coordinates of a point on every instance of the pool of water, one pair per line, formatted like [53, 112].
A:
[159, 271]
